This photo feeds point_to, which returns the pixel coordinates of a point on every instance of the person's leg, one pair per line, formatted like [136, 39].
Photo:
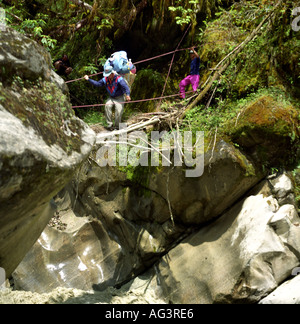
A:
[183, 84]
[119, 104]
[108, 112]
[195, 82]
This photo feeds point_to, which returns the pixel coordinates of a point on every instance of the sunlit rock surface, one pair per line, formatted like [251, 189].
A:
[241, 257]
[42, 144]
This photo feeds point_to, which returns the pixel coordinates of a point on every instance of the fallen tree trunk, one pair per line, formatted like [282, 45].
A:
[135, 127]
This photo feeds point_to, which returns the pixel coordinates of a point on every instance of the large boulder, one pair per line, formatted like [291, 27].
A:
[119, 220]
[228, 175]
[268, 130]
[83, 255]
[41, 144]
[241, 257]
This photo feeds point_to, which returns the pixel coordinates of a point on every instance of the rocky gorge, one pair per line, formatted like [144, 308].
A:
[73, 231]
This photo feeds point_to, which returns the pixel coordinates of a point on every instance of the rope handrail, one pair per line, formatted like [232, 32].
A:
[173, 57]
[136, 63]
[133, 101]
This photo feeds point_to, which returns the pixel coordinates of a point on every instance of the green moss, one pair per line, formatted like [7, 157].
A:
[139, 177]
[42, 106]
[269, 130]
[249, 168]
[270, 115]
[147, 84]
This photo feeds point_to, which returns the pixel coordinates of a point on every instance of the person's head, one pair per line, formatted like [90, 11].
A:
[109, 72]
[111, 76]
[192, 55]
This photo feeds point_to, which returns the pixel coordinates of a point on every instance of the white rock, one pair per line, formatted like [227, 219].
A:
[241, 257]
[287, 293]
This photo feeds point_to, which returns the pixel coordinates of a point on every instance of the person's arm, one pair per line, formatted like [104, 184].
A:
[197, 55]
[57, 64]
[125, 89]
[100, 83]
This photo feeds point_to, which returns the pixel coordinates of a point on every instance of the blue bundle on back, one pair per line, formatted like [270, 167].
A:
[119, 61]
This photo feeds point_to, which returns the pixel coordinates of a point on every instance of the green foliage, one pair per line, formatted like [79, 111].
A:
[48, 42]
[34, 28]
[185, 14]
[186, 11]
[148, 84]
[217, 116]
[94, 117]
[263, 62]
[90, 68]
[103, 23]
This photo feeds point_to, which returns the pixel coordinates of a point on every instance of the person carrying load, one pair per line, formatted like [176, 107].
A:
[123, 66]
[117, 89]
[194, 77]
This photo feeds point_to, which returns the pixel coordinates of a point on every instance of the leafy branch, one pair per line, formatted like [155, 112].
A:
[33, 28]
[185, 14]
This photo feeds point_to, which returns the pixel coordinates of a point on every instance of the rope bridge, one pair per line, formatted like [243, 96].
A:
[139, 62]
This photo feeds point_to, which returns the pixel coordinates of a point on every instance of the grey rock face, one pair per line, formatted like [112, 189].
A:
[41, 144]
[119, 224]
[241, 257]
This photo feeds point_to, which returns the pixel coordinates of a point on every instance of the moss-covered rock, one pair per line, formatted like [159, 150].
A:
[219, 38]
[148, 84]
[126, 218]
[269, 131]
[17, 58]
[42, 144]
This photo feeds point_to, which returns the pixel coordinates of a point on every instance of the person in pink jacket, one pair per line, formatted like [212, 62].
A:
[194, 77]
